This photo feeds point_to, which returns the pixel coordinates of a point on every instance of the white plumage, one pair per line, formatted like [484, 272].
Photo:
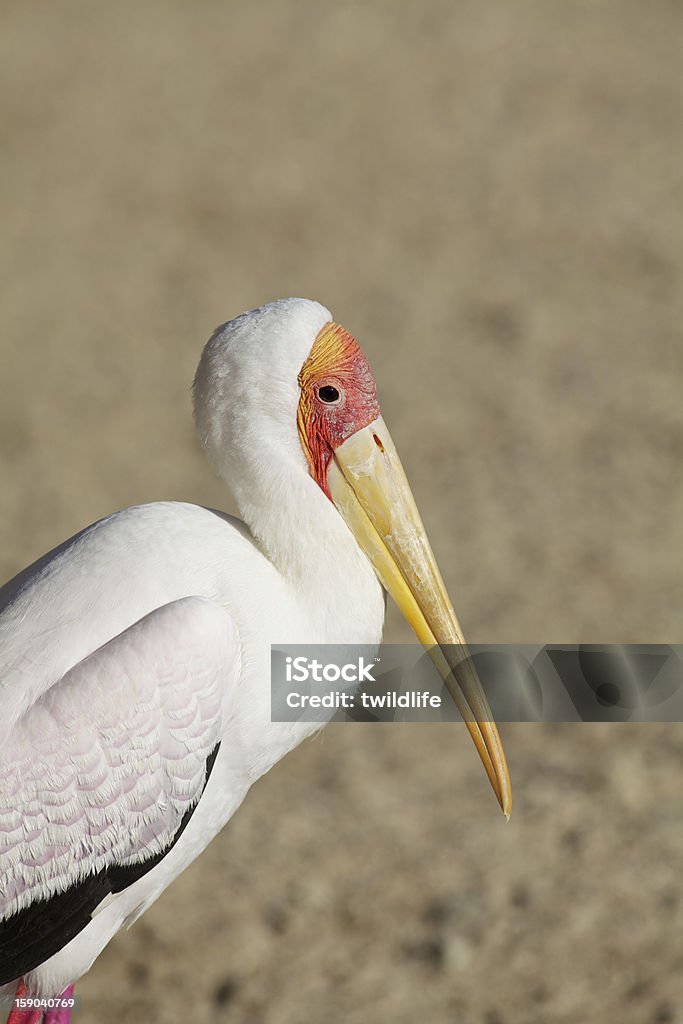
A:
[130, 651]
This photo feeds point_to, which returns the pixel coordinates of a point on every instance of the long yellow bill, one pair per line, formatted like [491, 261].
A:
[369, 488]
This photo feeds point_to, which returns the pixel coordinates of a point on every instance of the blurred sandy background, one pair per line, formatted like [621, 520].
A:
[488, 194]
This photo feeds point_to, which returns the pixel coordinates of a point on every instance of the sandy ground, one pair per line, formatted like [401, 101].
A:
[489, 196]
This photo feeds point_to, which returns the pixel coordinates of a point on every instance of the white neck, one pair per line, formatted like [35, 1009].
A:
[301, 533]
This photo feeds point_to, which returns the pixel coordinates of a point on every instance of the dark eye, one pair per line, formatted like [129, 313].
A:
[328, 394]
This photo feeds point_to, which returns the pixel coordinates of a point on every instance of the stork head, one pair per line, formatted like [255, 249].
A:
[288, 375]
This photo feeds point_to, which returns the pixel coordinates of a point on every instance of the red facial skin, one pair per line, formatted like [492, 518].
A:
[337, 361]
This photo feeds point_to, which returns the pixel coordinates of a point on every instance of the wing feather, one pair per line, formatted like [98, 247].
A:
[100, 773]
